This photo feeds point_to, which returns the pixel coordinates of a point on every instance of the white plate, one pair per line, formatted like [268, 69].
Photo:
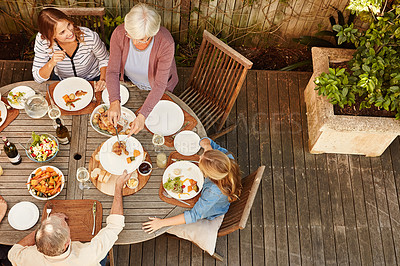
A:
[58, 171]
[165, 119]
[188, 170]
[71, 85]
[126, 115]
[187, 143]
[115, 164]
[28, 92]
[23, 215]
[122, 90]
[3, 110]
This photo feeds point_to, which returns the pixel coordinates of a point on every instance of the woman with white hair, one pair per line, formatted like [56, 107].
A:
[142, 51]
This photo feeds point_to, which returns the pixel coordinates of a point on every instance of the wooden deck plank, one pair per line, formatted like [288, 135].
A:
[348, 207]
[282, 247]
[288, 169]
[265, 159]
[300, 171]
[313, 198]
[148, 252]
[243, 161]
[135, 254]
[257, 223]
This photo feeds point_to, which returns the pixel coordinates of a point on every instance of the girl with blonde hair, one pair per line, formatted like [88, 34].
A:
[222, 185]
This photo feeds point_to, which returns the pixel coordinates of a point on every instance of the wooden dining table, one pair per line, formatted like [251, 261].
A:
[84, 140]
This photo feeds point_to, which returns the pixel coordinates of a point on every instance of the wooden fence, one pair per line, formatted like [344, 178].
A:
[239, 22]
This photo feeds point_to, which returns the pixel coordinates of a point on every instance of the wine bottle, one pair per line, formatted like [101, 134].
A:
[62, 133]
[11, 152]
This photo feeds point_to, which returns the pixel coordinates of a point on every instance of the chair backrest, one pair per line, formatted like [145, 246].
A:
[90, 17]
[239, 211]
[217, 77]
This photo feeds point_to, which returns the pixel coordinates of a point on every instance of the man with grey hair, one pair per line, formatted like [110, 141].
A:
[51, 243]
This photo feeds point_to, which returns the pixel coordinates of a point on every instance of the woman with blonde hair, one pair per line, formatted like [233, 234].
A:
[69, 50]
[222, 186]
[143, 52]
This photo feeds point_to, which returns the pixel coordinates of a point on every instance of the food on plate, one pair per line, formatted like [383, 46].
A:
[42, 147]
[1, 119]
[177, 171]
[176, 185]
[132, 183]
[95, 173]
[80, 93]
[136, 153]
[73, 97]
[106, 177]
[119, 147]
[102, 175]
[45, 183]
[13, 97]
[100, 120]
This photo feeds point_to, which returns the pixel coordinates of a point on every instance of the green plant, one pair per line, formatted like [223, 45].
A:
[375, 67]
[110, 24]
[358, 6]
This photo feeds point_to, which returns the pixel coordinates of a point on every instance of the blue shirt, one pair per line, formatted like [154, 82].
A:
[212, 203]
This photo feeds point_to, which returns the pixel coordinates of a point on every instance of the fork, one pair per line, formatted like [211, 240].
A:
[168, 196]
[94, 93]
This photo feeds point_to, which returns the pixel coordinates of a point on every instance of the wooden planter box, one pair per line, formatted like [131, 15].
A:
[330, 133]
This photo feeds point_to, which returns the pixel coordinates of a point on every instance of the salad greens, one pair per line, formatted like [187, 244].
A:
[174, 185]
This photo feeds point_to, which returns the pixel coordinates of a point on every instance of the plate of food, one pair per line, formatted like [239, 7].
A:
[115, 158]
[183, 180]
[42, 148]
[73, 94]
[124, 92]
[45, 182]
[16, 95]
[23, 215]
[3, 113]
[165, 119]
[99, 121]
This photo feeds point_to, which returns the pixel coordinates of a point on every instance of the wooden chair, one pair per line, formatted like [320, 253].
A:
[217, 77]
[90, 17]
[239, 211]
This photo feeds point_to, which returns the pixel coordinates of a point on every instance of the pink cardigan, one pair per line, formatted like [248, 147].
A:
[162, 68]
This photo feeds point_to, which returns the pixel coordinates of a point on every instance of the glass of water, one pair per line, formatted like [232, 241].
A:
[82, 175]
[158, 141]
[54, 112]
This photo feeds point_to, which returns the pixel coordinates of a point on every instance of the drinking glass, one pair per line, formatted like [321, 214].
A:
[54, 112]
[82, 175]
[158, 141]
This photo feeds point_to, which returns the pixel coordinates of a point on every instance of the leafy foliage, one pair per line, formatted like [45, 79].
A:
[375, 66]
[358, 6]
[110, 24]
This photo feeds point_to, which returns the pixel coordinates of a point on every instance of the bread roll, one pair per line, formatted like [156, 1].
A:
[102, 175]
[106, 177]
[95, 173]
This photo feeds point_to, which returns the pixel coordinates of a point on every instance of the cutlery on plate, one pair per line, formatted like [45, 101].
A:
[182, 128]
[94, 93]
[178, 160]
[94, 217]
[116, 131]
[170, 197]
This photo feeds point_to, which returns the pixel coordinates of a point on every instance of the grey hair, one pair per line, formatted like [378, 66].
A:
[142, 21]
[52, 236]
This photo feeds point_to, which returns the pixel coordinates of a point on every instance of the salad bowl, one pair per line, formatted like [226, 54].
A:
[42, 148]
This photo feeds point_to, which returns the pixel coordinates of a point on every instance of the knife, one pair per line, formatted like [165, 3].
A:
[178, 160]
[94, 217]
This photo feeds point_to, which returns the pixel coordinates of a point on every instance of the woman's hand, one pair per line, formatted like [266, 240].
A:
[100, 85]
[114, 112]
[58, 56]
[206, 144]
[153, 225]
[137, 125]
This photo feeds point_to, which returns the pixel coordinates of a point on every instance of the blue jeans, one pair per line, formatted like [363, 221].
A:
[103, 261]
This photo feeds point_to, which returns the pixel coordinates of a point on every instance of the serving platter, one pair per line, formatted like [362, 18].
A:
[127, 116]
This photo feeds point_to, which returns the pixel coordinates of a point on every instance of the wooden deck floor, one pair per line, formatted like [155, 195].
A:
[310, 209]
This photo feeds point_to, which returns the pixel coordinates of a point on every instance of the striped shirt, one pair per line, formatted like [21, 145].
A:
[90, 56]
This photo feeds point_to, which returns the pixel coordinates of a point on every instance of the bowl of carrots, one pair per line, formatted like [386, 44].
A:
[45, 182]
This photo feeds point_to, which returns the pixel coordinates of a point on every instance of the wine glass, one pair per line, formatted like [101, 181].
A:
[82, 175]
[158, 141]
[54, 112]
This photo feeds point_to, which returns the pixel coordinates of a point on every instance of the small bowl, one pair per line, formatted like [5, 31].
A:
[29, 144]
[145, 174]
[131, 180]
